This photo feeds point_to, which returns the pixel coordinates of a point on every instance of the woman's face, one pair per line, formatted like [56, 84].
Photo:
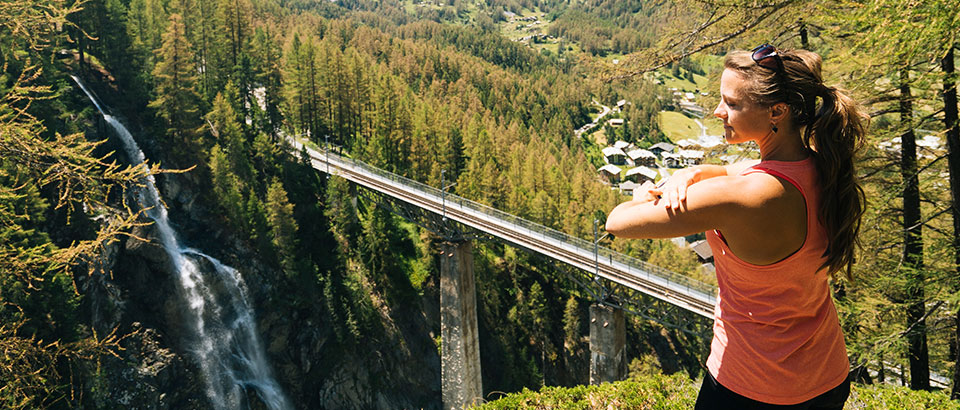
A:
[742, 119]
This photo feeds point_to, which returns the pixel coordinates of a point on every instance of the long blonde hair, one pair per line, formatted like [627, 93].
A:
[834, 133]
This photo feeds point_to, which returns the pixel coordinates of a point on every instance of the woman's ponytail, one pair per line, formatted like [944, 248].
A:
[835, 135]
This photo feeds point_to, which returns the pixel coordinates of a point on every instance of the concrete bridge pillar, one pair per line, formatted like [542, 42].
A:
[460, 344]
[352, 189]
[608, 361]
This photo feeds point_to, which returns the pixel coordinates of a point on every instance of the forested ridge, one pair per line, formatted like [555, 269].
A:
[211, 88]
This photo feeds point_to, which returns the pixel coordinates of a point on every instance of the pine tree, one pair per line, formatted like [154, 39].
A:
[229, 136]
[296, 86]
[226, 186]
[267, 62]
[177, 101]
[571, 325]
[283, 227]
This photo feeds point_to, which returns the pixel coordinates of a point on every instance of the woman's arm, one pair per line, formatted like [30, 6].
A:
[674, 190]
[763, 218]
[710, 204]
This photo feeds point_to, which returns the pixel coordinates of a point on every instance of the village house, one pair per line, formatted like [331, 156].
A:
[642, 157]
[687, 143]
[730, 158]
[703, 251]
[641, 174]
[614, 155]
[627, 187]
[690, 157]
[625, 146]
[661, 147]
[610, 172]
[671, 160]
[615, 122]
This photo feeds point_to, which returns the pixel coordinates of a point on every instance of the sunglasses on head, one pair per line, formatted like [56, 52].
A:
[767, 57]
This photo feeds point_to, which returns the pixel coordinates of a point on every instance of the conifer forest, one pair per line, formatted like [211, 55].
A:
[164, 243]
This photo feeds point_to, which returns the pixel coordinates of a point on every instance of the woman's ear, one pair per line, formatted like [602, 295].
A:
[779, 111]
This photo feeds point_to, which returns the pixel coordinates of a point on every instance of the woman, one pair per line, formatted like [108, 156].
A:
[778, 228]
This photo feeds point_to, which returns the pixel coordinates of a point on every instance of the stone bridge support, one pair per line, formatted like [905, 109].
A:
[460, 344]
[608, 356]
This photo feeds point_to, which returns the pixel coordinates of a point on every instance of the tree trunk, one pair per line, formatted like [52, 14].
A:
[953, 163]
[804, 44]
[913, 243]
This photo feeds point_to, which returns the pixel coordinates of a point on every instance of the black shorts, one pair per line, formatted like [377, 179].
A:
[713, 396]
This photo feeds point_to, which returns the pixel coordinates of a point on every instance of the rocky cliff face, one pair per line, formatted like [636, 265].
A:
[133, 291]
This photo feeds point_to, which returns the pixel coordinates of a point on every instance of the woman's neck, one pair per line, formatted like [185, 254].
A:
[783, 146]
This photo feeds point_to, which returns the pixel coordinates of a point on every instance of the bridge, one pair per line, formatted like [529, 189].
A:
[461, 378]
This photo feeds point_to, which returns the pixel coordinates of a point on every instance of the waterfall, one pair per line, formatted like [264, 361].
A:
[703, 128]
[225, 341]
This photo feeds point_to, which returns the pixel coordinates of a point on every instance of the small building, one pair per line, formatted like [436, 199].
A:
[691, 157]
[661, 147]
[642, 157]
[610, 172]
[614, 155]
[625, 146]
[627, 187]
[621, 104]
[687, 143]
[710, 141]
[730, 158]
[671, 160]
[641, 174]
[703, 251]
[616, 122]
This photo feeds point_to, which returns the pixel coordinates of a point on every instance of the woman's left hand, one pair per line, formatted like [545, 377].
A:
[674, 191]
[644, 192]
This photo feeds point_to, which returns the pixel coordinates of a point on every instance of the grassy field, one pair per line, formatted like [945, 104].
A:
[699, 82]
[599, 137]
[678, 126]
[714, 125]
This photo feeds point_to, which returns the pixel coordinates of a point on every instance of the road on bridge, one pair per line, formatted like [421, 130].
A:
[651, 280]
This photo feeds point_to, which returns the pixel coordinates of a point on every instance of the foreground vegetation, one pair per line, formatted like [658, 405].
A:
[678, 392]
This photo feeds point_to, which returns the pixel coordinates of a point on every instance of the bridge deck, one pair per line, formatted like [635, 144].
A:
[635, 274]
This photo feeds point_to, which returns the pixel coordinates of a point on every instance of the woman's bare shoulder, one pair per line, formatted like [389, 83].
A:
[752, 190]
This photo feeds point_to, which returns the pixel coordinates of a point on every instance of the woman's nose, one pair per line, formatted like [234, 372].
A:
[720, 112]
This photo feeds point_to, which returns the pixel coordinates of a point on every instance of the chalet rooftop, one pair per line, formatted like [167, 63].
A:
[628, 187]
[662, 146]
[702, 248]
[647, 172]
[640, 153]
[611, 151]
[690, 153]
[610, 169]
[687, 143]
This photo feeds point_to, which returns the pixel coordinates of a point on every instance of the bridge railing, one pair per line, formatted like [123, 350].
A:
[630, 265]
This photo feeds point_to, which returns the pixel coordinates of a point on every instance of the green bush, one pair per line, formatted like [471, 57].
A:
[654, 392]
[678, 392]
[876, 396]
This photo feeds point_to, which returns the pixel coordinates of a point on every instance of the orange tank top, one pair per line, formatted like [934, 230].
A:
[776, 335]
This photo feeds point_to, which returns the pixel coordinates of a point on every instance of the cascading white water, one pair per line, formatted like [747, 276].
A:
[226, 344]
[703, 128]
